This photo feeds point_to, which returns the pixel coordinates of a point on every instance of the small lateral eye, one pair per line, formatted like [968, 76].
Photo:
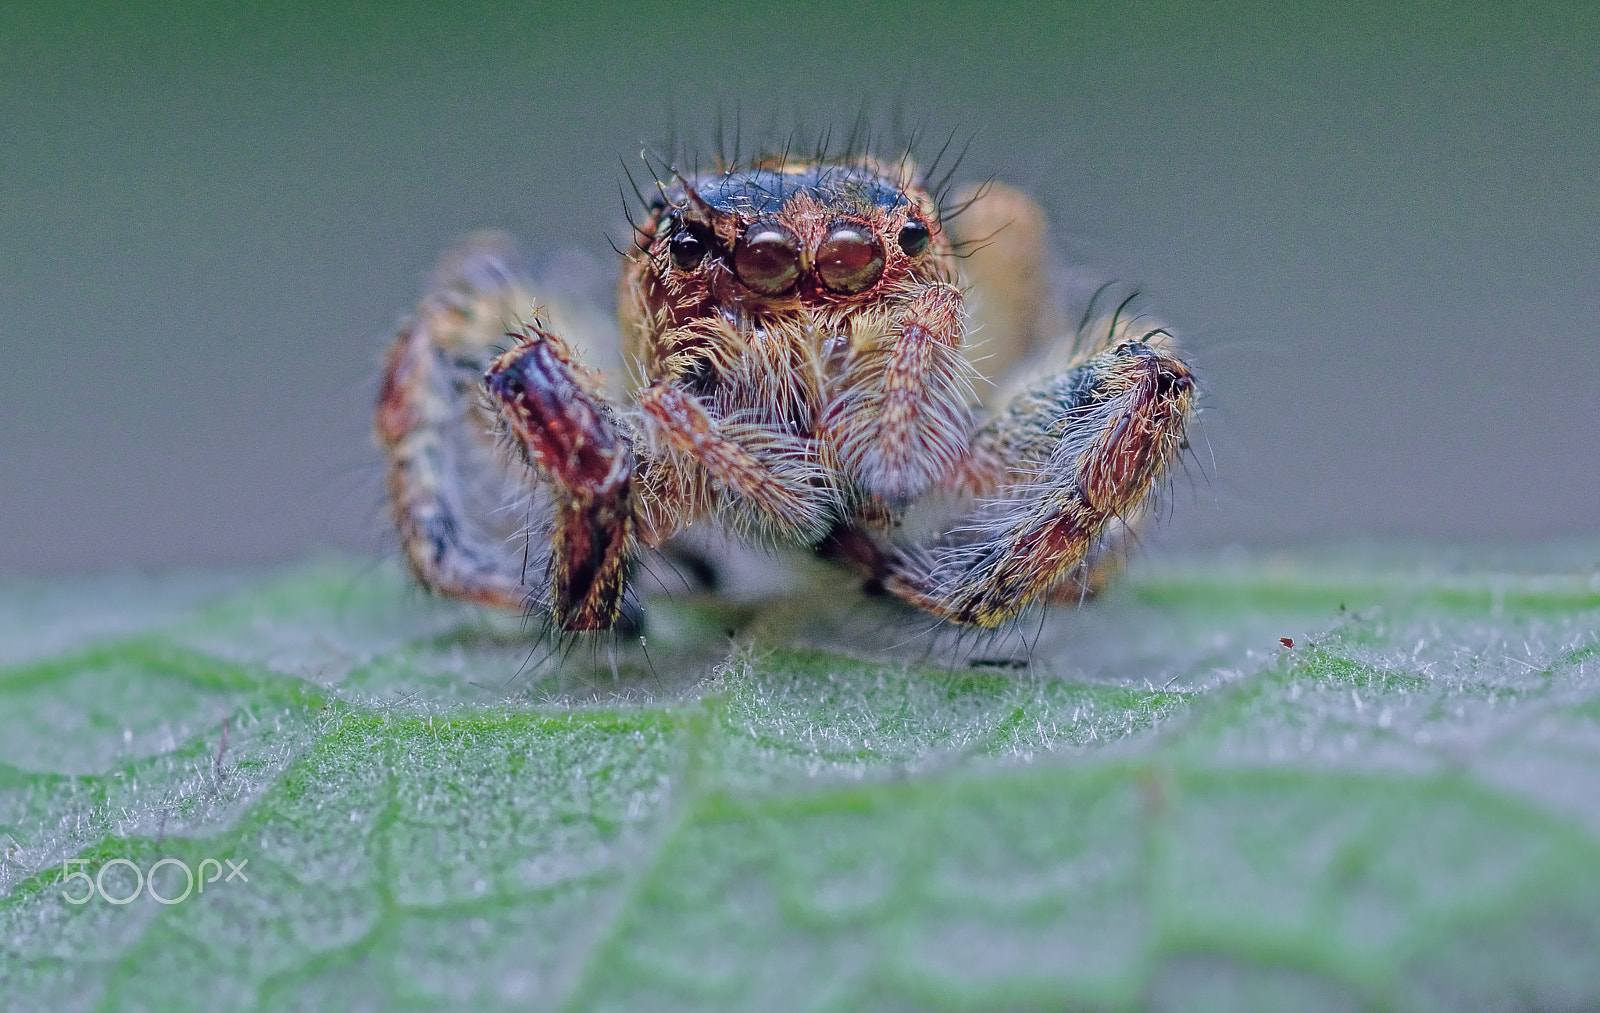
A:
[849, 260]
[685, 246]
[767, 258]
[915, 237]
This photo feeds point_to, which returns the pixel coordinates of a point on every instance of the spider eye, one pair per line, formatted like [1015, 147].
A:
[915, 237]
[849, 260]
[767, 258]
[685, 246]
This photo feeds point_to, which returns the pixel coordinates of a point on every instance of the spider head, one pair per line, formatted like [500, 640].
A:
[778, 235]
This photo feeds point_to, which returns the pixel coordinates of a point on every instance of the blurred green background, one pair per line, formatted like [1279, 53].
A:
[1378, 230]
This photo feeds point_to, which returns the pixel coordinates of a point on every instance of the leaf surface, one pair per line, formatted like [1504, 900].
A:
[1148, 802]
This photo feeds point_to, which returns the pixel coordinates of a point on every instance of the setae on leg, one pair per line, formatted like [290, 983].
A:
[1076, 455]
[552, 413]
[444, 476]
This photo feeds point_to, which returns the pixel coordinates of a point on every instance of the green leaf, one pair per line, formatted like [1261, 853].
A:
[1144, 803]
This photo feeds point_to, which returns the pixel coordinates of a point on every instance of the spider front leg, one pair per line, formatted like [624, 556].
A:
[552, 412]
[767, 483]
[902, 421]
[1075, 454]
[726, 425]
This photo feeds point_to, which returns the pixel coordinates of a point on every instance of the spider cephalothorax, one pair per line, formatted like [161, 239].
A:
[813, 304]
[797, 338]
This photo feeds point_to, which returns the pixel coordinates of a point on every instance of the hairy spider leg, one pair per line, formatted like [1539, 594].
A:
[615, 487]
[1081, 451]
[554, 414]
[428, 421]
[903, 418]
[782, 491]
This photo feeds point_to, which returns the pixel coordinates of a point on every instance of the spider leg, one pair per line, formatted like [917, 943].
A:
[782, 490]
[1103, 565]
[431, 430]
[902, 420]
[726, 418]
[552, 412]
[1073, 456]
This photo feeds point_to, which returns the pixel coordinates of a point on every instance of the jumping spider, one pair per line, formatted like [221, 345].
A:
[804, 371]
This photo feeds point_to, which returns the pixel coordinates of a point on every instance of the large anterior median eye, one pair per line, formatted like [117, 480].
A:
[767, 258]
[849, 260]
